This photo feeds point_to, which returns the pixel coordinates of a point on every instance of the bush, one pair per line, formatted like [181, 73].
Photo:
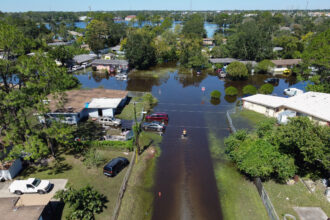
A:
[215, 94]
[93, 158]
[264, 66]
[231, 90]
[237, 70]
[149, 101]
[266, 89]
[249, 90]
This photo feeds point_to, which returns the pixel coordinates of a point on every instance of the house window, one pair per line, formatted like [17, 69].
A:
[100, 113]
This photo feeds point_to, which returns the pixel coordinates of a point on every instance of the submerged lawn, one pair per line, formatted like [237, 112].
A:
[78, 176]
[246, 119]
[239, 197]
[284, 197]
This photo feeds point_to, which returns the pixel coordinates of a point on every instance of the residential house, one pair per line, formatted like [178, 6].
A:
[227, 61]
[80, 104]
[60, 43]
[84, 58]
[283, 65]
[208, 42]
[130, 17]
[314, 105]
[110, 64]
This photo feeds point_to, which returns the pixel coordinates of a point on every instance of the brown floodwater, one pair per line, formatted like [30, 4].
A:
[185, 185]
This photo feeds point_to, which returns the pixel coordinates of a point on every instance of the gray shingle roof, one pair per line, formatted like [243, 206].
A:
[84, 58]
[109, 62]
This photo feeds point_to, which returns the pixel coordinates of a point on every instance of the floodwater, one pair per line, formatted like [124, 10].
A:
[185, 186]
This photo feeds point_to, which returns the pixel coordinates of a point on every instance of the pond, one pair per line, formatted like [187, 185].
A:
[184, 175]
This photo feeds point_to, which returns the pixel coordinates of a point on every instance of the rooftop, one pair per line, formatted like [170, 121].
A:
[315, 104]
[75, 100]
[266, 100]
[84, 58]
[10, 212]
[109, 62]
[222, 60]
[286, 62]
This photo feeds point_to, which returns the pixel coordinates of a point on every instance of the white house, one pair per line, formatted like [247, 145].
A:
[314, 105]
[79, 104]
[283, 65]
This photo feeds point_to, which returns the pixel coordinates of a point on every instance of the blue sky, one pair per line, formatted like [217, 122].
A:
[109, 5]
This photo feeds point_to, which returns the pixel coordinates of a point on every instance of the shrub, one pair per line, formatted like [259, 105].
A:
[149, 101]
[215, 94]
[237, 70]
[264, 66]
[93, 158]
[266, 89]
[249, 90]
[231, 90]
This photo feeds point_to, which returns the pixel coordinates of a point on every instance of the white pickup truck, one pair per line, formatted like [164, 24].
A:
[31, 185]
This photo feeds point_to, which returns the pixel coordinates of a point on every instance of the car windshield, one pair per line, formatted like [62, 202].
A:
[36, 182]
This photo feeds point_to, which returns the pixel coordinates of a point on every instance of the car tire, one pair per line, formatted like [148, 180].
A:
[41, 192]
[17, 192]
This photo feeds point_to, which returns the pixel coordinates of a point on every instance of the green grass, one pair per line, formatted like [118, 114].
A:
[155, 72]
[247, 119]
[298, 195]
[128, 111]
[78, 176]
[239, 197]
[139, 196]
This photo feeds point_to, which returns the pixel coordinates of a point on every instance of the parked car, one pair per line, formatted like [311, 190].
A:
[157, 117]
[272, 80]
[109, 121]
[31, 185]
[121, 76]
[293, 91]
[75, 67]
[153, 126]
[112, 168]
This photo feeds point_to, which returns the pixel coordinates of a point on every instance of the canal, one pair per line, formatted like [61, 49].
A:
[185, 185]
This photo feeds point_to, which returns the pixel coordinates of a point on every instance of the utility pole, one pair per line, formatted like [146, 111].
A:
[137, 130]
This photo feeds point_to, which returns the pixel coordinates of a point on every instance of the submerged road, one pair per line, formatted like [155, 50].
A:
[185, 182]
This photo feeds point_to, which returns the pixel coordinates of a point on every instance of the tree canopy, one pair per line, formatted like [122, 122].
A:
[237, 70]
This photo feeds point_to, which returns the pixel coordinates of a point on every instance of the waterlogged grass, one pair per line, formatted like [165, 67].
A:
[284, 197]
[247, 119]
[239, 197]
[153, 72]
[139, 196]
[78, 176]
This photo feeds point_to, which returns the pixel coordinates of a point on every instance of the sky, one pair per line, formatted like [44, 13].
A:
[112, 5]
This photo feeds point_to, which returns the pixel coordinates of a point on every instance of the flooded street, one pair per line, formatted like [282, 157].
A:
[185, 186]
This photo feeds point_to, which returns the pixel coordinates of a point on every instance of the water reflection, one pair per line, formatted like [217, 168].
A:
[230, 98]
[215, 101]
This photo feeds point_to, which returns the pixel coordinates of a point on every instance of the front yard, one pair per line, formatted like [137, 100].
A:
[72, 168]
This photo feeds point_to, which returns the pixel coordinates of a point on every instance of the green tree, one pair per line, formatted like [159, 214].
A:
[290, 44]
[84, 203]
[237, 70]
[266, 89]
[264, 66]
[62, 54]
[249, 90]
[190, 53]
[97, 35]
[166, 47]
[307, 142]
[215, 94]
[317, 53]
[140, 52]
[232, 91]
[194, 26]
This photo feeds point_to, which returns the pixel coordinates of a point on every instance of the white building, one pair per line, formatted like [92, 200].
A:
[79, 104]
[314, 105]
[282, 65]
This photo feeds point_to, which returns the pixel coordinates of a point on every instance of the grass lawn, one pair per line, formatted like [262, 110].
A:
[128, 112]
[247, 119]
[298, 195]
[75, 171]
[239, 197]
[154, 72]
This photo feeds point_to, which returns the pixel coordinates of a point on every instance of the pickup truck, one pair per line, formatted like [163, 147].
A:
[31, 185]
[109, 121]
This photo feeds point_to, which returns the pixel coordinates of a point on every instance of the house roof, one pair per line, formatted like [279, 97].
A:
[222, 60]
[59, 44]
[115, 48]
[266, 100]
[104, 103]
[10, 212]
[109, 62]
[75, 100]
[315, 104]
[286, 62]
[84, 58]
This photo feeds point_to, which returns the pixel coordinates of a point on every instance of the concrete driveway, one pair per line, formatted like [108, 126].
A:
[58, 184]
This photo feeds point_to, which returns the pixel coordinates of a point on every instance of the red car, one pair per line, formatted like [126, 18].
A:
[157, 117]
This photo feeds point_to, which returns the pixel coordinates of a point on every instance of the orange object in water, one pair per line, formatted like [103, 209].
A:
[159, 194]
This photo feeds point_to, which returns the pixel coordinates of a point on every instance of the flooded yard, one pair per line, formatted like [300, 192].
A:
[186, 186]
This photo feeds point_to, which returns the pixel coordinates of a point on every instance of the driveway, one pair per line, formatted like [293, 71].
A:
[58, 184]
